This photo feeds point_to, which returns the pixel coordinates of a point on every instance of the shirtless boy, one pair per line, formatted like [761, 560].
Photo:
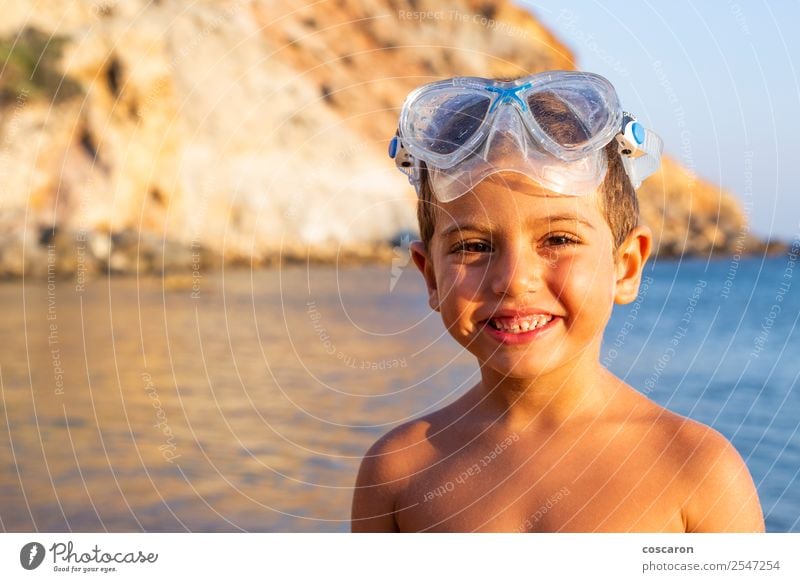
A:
[529, 227]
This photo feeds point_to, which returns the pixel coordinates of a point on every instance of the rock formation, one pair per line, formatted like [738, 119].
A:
[150, 136]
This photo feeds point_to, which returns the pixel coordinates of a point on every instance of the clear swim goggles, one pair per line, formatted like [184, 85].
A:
[552, 127]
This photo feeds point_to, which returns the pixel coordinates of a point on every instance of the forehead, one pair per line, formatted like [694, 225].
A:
[508, 199]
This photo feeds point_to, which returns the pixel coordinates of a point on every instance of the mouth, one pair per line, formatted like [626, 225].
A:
[519, 329]
[520, 324]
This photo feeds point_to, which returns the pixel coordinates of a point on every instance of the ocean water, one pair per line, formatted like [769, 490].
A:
[718, 341]
[245, 403]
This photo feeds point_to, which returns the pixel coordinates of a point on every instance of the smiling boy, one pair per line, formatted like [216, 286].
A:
[528, 219]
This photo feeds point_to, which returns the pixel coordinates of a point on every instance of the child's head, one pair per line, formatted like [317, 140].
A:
[509, 257]
[514, 251]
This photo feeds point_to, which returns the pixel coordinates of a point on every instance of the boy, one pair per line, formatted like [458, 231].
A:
[528, 219]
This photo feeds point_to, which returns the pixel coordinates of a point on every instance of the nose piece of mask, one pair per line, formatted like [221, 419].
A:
[507, 134]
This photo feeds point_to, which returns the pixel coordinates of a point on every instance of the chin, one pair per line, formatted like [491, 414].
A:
[523, 367]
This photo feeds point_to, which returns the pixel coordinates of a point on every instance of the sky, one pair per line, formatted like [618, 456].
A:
[718, 80]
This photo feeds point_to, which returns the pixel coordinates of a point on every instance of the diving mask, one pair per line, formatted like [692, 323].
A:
[552, 127]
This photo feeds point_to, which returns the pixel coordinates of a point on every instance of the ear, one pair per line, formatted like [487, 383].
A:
[630, 259]
[425, 266]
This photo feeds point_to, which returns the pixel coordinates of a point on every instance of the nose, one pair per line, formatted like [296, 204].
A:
[517, 271]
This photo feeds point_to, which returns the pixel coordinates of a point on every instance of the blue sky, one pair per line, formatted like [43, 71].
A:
[718, 80]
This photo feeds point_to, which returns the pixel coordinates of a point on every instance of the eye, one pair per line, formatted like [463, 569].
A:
[560, 240]
[472, 247]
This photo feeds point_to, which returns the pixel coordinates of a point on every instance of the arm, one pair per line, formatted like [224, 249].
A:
[380, 479]
[722, 495]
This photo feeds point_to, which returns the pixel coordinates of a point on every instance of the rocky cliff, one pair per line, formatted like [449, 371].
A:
[145, 135]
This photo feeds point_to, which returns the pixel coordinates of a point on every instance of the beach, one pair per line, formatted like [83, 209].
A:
[243, 401]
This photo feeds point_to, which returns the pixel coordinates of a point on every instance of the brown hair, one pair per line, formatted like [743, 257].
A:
[617, 195]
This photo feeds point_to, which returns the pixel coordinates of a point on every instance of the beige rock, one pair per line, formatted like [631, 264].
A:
[254, 129]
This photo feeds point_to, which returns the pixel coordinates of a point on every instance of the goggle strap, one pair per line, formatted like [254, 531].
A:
[631, 136]
[405, 162]
[643, 166]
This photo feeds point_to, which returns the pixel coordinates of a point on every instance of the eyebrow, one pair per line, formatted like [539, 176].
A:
[549, 219]
[566, 218]
[469, 226]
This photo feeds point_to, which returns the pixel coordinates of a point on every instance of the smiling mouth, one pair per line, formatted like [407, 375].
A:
[520, 324]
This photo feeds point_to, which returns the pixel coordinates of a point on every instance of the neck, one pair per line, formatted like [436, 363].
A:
[578, 388]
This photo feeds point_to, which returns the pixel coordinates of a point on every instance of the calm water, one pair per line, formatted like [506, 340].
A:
[128, 406]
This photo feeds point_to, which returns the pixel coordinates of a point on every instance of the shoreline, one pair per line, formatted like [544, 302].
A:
[63, 258]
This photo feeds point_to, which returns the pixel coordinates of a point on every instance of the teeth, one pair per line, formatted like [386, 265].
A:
[520, 325]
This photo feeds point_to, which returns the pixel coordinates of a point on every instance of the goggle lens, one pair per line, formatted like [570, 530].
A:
[443, 123]
[576, 119]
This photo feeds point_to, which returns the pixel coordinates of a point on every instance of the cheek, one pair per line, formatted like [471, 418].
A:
[585, 283]
[460, 285]
[459, 295]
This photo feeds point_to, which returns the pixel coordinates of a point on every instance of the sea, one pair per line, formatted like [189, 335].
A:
[243, 400]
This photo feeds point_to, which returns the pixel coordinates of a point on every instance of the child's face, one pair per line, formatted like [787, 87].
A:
[543, 262]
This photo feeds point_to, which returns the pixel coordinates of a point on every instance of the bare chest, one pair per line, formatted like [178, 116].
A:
[520, 489]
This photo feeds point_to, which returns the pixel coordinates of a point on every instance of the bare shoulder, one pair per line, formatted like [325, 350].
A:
[384, 473]
[719, 491]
